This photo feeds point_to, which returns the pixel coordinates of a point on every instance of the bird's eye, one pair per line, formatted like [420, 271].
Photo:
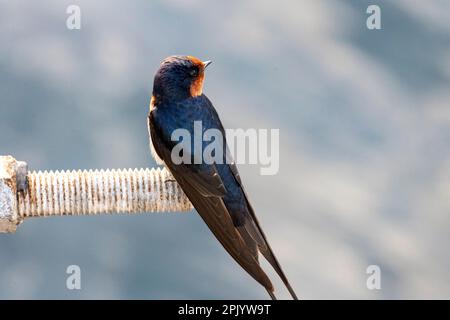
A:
[193, 72]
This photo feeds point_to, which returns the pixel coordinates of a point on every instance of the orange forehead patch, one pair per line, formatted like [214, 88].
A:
[197, 85]
[196, 61]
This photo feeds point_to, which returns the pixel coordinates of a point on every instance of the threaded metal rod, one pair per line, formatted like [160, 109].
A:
[79, 192]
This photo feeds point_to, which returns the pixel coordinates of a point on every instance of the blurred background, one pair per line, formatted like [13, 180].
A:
[364, 119]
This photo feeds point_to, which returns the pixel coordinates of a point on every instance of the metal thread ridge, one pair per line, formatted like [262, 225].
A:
[59, 193]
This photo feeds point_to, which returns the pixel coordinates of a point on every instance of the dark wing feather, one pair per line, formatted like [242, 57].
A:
[205, 179]
[215, 214]
[254, 229]
[211, 208]
[206, 190]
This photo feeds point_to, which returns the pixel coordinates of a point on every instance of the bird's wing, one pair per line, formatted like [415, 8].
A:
[204, 188]
[254, 230]
[204, 178]
[215, 214]
[250, 229]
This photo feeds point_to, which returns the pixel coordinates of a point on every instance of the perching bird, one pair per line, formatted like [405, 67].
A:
[215, 189]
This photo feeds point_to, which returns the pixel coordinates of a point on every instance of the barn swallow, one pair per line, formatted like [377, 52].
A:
[215, 190]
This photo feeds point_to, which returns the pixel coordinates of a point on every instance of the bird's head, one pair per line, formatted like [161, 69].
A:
[179, 77]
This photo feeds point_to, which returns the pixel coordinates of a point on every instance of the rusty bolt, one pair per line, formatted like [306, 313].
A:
[26, 194]
[9, 217]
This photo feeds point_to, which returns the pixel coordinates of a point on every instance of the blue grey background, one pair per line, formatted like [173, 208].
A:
[364, 119]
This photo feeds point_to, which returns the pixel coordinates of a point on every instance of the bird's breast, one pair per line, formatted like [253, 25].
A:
[153, 152]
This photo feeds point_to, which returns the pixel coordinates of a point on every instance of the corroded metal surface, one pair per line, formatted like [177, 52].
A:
[101, 191]
[8, 189]
[26, 194]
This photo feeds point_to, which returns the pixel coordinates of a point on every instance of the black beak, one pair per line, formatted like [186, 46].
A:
[206, 63]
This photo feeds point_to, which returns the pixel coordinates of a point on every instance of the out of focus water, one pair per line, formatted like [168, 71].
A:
[364, 119]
